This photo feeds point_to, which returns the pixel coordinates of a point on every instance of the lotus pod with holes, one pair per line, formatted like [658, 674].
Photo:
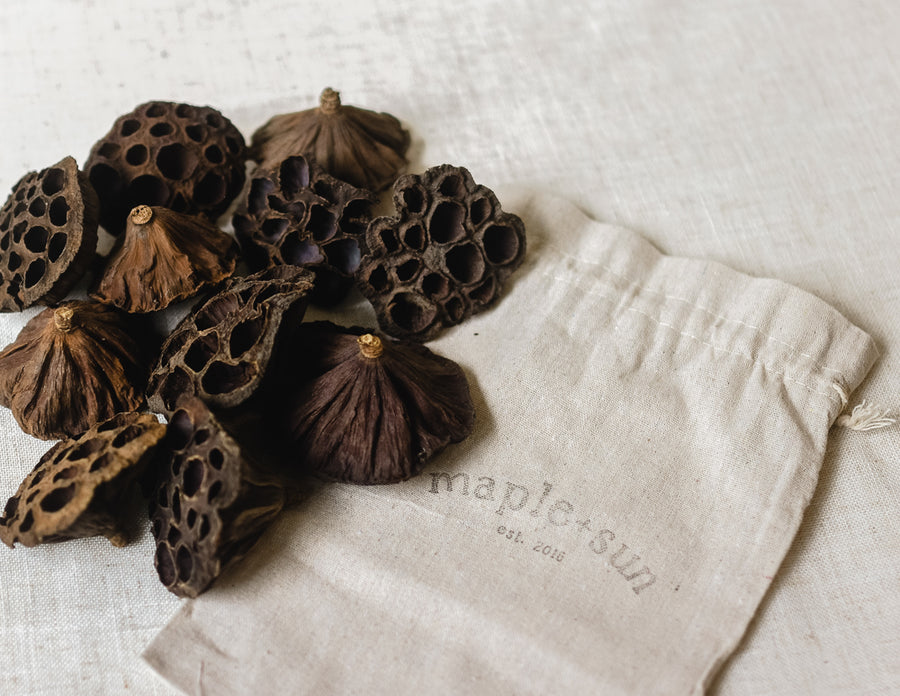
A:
[74, 366]
[296, 214]
[48, 236]
[443, 258]
[366, 410]
[187, 158]
[164, 257]
[221, 351]
[362, 147]
[84, 486]
[212, 503]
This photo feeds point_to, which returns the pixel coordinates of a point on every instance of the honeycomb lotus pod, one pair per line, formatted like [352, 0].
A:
[48, 236]
[83, 486]
[212, 503]
[367, 410]
[356, 145]
[443, 258]
[187, 158]
[74, 366]
[296, 214]
[221, 351]
[164, 257]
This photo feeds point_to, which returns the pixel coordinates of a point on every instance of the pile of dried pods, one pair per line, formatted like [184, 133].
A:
[254, 398]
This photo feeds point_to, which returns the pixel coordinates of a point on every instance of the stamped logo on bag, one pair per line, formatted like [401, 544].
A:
[514, 501]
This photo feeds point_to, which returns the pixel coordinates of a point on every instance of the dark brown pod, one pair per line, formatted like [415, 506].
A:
[163, 257]
[221, 351]
[362, 147]
[187, 158]
[443, 258]
[368, 410]
[84, 486]
[296, 214]
[212, 503]
[48, 236]
[74, 366]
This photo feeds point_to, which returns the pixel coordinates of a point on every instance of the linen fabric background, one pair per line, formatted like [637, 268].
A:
[762, 135]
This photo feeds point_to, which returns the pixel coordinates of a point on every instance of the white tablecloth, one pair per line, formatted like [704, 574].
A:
[764, 135]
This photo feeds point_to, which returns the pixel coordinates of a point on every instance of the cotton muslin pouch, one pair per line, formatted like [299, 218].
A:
[649, 432]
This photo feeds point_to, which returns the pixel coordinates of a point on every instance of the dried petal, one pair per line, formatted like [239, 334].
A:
[212, 503]
[73, 366]
[222, 349]
[368, 410]
[187, 158]
[164, 257]
[48, 236]
[296, 214]
[83, 486]
[362, 147]
[444, 257]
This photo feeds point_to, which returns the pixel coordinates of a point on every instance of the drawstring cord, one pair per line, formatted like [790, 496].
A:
[864, 416]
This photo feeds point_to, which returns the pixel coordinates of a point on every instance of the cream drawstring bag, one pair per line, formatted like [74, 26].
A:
[649, 432]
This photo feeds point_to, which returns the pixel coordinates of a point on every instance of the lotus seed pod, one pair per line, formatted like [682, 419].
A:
[163, 257]
[296, 214]
[186, 158]
[362, 147]
[48, 236]
[443, 258]
[83, 486]
[221, 351]
[212, 502]
[73, 366]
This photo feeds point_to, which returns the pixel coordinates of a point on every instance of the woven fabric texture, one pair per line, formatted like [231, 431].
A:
[760, 135]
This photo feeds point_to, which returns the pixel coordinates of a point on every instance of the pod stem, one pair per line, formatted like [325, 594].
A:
[370, 346]
[329, 101]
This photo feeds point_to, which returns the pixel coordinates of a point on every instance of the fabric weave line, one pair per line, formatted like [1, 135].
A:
[830, 395]
[706, 310]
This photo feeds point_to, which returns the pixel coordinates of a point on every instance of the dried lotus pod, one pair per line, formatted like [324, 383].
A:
[163, 257]
[296, 214]
[82, 486]
[48, 235]
[212, 503]
[445, 256]
[366, 410]
[187, 158]
[220, 352]
[74, 366]
[362, 147]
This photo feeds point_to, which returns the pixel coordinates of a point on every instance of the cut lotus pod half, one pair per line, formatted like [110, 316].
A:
[445, 256]
[222, 350]
[48, 236]
[84, 486]
[164, 257]
[73, 366]
[212, 503]
[368, 410]
[296, 214]
[362, 147]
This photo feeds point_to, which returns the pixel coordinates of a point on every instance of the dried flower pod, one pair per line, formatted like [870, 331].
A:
[164, 257]
[367, 410]
[220, 352]
[443, 258]
[212, 503]
[48, 235]
[187, 158]
[296, 214]
[362, 147]
[74, 366]
[82, 486]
